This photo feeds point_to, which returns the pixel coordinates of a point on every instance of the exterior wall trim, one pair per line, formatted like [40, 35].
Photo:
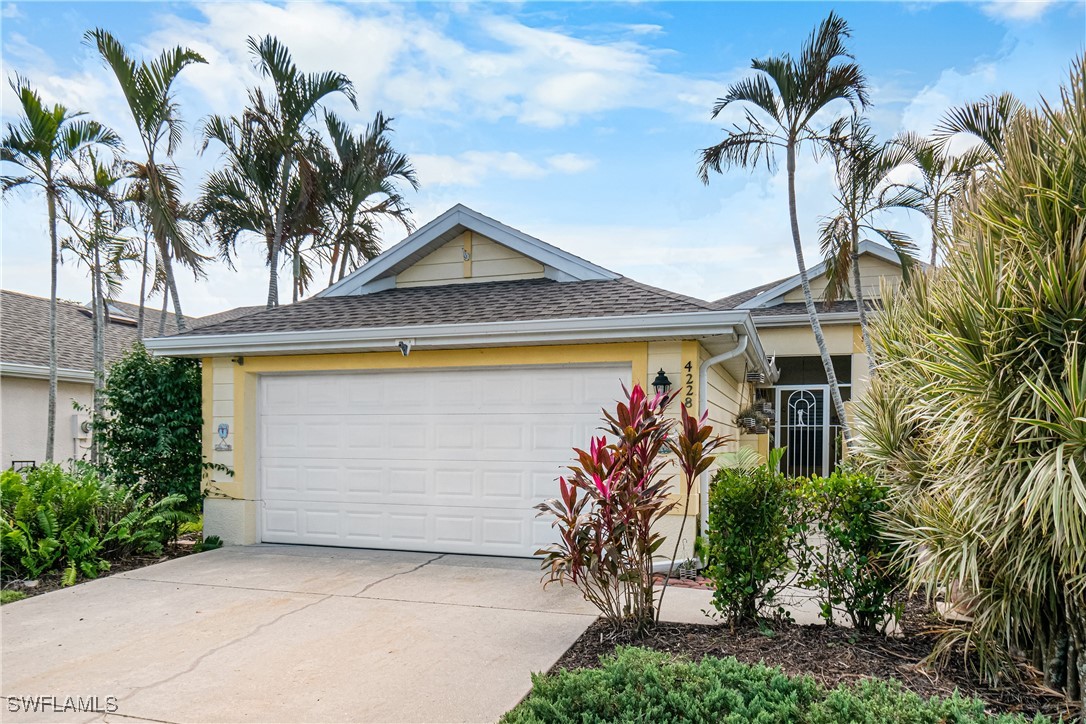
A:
[41, 372]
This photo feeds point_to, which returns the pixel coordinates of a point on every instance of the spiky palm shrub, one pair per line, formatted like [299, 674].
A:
[977, 417]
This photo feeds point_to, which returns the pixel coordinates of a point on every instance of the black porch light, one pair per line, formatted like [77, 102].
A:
[661, 384]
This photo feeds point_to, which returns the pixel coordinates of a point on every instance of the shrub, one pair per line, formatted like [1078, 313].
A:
[748, 540]
[638, 685]
[842, 550]
[611, 502]
[8, 596]
[976, 419]
[53, 520]
[151, 427]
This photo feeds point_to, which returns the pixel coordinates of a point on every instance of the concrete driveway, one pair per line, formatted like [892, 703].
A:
[292, 634]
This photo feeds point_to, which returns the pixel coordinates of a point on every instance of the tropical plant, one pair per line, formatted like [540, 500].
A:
[790, 96]
[862, 166]
[986, 121]
[977, 418]
[150, 432]
[148, 91]
[611, 503]
[693, 449]
[282, 123]
[98, 245]
[52, 520]
[361, 174]
[42, 144]
[748, 541]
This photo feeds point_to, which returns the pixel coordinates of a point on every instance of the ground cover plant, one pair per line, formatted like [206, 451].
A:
[77, 523]
[976, 420]
[637, 684]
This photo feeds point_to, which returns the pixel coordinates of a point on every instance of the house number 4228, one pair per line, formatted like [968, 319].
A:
[688, 386]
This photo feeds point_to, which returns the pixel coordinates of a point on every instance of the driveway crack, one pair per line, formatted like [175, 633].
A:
[400, 573]
[199, 659]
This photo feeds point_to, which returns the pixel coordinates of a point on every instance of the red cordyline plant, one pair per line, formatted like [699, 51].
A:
[610, 504]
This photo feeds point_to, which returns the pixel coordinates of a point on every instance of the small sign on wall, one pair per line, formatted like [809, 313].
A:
[222, 445]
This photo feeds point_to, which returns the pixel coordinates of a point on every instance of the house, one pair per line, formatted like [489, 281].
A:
[805, 422]
[430, 399]
[24, 369]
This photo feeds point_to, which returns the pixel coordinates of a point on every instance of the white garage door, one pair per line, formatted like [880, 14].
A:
[429, 460]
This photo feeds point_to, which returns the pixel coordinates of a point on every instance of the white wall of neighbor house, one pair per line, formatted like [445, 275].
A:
[873, 271]
[468, 258]
[24, 415]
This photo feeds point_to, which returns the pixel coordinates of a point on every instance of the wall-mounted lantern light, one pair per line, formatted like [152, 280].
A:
[662, 385]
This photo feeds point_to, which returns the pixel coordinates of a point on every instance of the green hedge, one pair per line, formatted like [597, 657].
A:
[639, 685]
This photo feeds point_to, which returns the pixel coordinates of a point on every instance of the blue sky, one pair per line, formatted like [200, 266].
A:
[578, 123]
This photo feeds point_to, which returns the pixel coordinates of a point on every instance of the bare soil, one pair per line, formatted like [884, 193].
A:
[834, 656]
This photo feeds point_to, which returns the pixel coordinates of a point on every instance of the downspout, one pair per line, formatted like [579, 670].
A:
[703, 407]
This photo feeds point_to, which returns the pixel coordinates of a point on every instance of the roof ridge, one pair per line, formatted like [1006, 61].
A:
[667, 293]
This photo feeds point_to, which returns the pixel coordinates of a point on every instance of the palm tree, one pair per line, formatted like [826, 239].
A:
[986, 120]
[862, 167]
[282, 122]
[44, 141]
[787, 94]
[942, 179]
[147, 88]
[242, 198]
[362, 175]
[97, 243]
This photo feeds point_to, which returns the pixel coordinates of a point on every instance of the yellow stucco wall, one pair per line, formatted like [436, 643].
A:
[230, 393]
[487, 261]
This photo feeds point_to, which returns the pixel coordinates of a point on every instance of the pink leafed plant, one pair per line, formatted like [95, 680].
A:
[611, 501]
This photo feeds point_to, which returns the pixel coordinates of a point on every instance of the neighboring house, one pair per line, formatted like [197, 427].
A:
[430, 399]
[24, 369]
[805, 421]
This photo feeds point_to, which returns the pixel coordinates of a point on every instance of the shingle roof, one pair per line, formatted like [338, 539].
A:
[24, 330]
[734, 300]
[506, 301]
[800, 309]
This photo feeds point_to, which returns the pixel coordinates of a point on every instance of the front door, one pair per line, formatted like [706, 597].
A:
[807, 429]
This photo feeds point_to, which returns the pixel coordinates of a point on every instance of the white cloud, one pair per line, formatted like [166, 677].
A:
[471, 168]
[1016, 10]
[11, 11]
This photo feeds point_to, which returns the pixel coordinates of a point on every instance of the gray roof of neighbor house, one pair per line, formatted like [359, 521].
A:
[24, 330]
[505, 301]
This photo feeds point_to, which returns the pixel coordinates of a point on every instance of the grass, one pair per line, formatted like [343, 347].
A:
[7, 596]
[640, 685]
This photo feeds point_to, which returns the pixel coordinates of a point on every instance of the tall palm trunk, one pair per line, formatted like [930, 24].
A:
[143, 287]
[162, 316]
[277, 240]
[54, 262]
[808, 298]
[98, 315]
[858, 294]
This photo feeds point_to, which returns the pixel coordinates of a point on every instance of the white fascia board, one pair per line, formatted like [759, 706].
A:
[367, 278]
[41, 372]
[789, 320]
[585, 330]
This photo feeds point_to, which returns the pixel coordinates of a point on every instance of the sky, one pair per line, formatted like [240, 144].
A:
[576, 122]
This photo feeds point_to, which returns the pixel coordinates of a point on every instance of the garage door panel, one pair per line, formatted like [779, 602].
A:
[540, 438]
[432, 460]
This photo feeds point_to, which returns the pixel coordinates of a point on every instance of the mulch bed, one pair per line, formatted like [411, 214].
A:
[53, 581]
[832, 655]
